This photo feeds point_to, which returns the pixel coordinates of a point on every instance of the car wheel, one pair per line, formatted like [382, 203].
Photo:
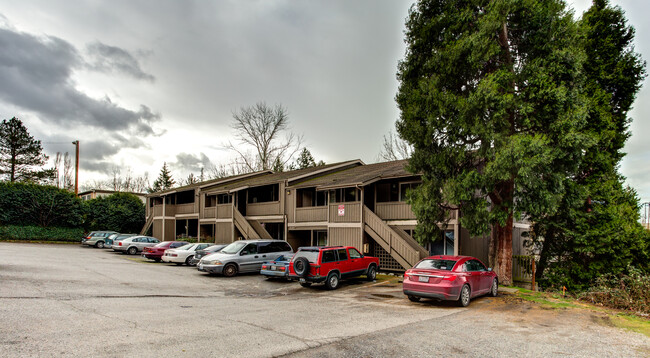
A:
[230, 270]
[494, 291]
[332, 281]
[414, 298]
[99, 244]
[301, 267]
[305, 284]
[132, 250]
[372, 273]
[464, 298]
[188, 260]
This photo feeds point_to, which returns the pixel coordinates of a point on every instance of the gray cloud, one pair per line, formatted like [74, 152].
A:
[111, 59]
[36, 75]
[190, 163]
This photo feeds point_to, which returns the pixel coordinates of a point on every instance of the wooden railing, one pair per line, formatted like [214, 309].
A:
[392, 242]
[261, 209]
[146, 225]
[394, 211]
[185, 208]
[157, 210]
[224, 211]
[210, 212]
[244, 226]
[311, 214]
[351, 212]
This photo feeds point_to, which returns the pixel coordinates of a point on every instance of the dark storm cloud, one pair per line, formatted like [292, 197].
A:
[111, 59]
[186, 162]
[36, 76]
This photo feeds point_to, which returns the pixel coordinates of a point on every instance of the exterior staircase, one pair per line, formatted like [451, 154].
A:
[251, 229]
[147, 225]
[400, 245]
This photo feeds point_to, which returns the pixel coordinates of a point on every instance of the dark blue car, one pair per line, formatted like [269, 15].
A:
[277, 268]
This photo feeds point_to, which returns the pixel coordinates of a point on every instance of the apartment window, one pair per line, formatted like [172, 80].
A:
[224, 198]
[263, 194]
[387, 192]
[404, 188]
[310, 197]
[210, 201]
[344, 195]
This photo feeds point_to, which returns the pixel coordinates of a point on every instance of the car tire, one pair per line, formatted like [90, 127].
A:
[157, 260]
[413, 298]
[99, 244]
[132, 250]
[301, 267]
[465, 296]
[371, 274]
[332, 281]
[230, 270]
[494, 291]
[305, 284]
[188, 260]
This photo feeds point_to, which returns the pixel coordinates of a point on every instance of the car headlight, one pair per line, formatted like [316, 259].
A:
[211, 262]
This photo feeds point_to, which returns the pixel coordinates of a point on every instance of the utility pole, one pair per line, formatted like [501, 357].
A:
[76, 169]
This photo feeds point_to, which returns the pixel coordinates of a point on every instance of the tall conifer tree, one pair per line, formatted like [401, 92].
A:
[20, 153]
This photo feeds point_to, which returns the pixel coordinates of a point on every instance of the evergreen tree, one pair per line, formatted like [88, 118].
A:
[596, 230]
[490, 100]
[304, 160]
[278, 166]
[20, 153]
[164, 180]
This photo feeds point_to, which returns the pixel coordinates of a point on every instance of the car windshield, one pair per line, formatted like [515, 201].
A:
[185, 247]
[234, 247]
[437, 264]
[312, 256]
[215, 248]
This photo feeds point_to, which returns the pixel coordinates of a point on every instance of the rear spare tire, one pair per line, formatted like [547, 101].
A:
[301, 266]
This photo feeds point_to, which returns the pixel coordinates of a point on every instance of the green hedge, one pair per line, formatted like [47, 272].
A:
[37, 233]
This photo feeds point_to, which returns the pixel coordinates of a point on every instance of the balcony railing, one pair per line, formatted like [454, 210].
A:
[224, 211]
[311, 214]
[185, 208]
[262, 209]
[394, 211]
[351, 212]
[210, 212]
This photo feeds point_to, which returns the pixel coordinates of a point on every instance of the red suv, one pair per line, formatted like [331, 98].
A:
[330, 264]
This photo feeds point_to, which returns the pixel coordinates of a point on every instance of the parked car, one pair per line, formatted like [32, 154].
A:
[244, 256]
[183, 254]
[96, 238]
[157, 251]
[277, 268]
[134, 244]
[330, 264]
[204, 252]
[456, 278]
[108, 243]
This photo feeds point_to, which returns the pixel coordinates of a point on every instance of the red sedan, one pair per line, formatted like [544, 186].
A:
[454, 278]
[156, 252]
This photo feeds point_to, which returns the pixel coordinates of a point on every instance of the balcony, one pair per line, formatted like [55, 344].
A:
[263, 209]
[311, 214]
[351, 212]
[394, 211]
[224, 211]
[184, 209]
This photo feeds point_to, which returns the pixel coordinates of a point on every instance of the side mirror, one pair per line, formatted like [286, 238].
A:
[489, 269]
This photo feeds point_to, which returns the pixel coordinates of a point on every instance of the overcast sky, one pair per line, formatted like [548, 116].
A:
[140, 83]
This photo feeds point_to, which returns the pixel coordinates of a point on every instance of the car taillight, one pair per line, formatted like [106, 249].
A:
[282, 268]
[449, 278]
[264, 267]
[406, 276]
[120, 244]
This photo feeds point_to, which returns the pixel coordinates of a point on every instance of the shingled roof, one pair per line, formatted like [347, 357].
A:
[362, 175]
[211, 182]
[294, 176]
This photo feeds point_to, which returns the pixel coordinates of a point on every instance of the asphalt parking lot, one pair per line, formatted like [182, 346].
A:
[68, 300]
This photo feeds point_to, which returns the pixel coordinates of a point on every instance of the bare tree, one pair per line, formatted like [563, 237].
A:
[395, 148]
[119, 182]
[216, 171]
[67, 172]
[259, 128]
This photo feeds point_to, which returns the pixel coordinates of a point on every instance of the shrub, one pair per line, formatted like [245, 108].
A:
[630, 292]
[37, 233]
[39, 205]
[121, 212]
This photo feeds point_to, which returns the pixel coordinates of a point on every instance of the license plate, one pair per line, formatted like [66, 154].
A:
[423, 279]
[302, 280]
[273, 268]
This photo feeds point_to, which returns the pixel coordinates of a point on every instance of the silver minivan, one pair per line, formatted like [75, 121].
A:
[243, 256]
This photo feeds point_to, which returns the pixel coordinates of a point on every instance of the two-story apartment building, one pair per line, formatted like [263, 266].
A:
[347, 203]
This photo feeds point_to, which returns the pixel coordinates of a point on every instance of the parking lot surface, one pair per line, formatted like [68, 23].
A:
[68, 300]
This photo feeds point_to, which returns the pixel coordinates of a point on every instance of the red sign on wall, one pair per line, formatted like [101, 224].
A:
[341, 210]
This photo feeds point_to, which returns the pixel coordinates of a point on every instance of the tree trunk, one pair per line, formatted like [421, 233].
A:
[504, 254]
